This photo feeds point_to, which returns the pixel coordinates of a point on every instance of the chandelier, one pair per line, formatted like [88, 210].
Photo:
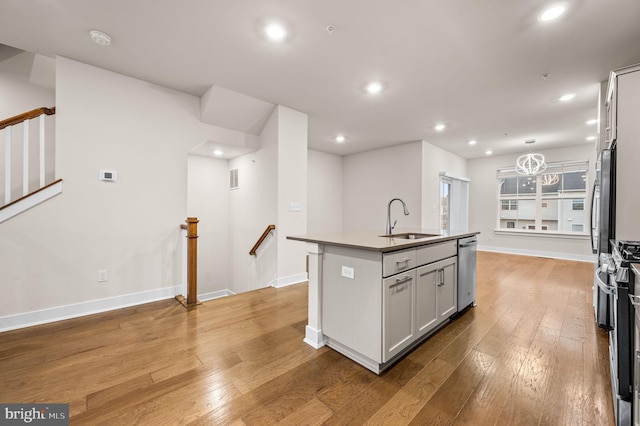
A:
[550, 179]
[530, 164]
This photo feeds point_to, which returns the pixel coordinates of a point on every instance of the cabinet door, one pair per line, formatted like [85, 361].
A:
[398, 313]
[447, 290]
[426, 299]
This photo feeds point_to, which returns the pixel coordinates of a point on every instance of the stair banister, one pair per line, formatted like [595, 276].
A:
[266, 232]
[192, 263]
[7, 126]
[7, 166]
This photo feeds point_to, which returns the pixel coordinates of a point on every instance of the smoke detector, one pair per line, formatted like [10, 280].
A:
[100, 38]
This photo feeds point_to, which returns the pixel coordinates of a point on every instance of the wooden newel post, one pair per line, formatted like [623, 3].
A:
[192, 261]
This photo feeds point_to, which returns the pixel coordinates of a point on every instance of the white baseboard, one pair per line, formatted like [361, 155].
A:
[28, 319]
[313, 337]
[215, 295]
[290, 280]
[554, 255]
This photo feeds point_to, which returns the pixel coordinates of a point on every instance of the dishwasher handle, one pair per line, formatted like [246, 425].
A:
[469, 244]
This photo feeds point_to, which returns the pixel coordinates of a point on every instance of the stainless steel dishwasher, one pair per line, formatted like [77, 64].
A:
[467, 272]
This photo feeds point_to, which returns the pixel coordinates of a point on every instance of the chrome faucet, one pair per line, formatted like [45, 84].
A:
[389, 226]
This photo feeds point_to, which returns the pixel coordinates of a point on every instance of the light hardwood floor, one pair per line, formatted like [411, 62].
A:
[528, 354]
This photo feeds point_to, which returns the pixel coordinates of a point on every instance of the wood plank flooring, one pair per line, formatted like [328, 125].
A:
[528, 354]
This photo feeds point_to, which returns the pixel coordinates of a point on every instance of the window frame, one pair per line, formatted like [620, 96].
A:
[577, 196]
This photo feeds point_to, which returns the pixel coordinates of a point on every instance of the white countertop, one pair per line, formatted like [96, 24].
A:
[377, 241]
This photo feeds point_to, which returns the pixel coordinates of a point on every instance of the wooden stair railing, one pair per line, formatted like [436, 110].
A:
[17, 119]
[266, 232]
[192, 264]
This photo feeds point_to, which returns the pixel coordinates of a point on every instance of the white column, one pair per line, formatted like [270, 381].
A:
[25, 158]
[313, 331]
[7, 165]
[42, 140]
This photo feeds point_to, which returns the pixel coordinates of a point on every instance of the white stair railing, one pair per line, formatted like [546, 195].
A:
[11, 164]
[7, 165]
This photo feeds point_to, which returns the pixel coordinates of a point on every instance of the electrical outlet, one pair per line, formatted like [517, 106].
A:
[103, 275]
[348, 272]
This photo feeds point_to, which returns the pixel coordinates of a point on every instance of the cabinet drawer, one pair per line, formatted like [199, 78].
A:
[398, 261]
[434, 252]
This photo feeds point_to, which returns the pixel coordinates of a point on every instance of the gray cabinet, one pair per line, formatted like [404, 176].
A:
[398, 261]
[398, 313]
[436, 298]
[426, 294]
[376, 306]
[447, 290]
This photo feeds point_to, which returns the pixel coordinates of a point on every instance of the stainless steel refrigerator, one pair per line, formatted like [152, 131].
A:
[615, 203]
[615, 208]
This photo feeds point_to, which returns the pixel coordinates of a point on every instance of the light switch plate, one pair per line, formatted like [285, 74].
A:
[348, 272]
[295, 206]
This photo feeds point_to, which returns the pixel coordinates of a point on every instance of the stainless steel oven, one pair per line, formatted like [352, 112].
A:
[635, 300]
[622, 336]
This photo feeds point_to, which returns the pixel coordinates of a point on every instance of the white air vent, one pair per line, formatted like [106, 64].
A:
[233, 179]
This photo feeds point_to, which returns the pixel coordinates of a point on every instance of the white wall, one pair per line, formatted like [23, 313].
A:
[324, 212]
[23, 91]
[208, 200]
[20, 92]
[373, 178]
[251, 208]
[292, 188]
[49, 255]
[434, 161]
[410, 172]
[483, 202]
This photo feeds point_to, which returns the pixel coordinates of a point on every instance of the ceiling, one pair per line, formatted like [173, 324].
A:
[475, 66]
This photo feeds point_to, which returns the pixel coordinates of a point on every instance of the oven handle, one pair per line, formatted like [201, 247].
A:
[602, 285]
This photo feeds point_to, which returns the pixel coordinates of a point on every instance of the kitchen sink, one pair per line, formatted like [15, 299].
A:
[410, 236]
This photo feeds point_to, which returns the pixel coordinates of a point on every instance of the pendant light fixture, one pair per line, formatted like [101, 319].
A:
[550, 179]
[530, 164]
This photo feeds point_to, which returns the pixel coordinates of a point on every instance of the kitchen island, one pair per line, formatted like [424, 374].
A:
[374, 297]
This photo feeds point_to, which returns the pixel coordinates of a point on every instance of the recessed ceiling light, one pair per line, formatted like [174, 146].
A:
[591, 138]
[551, 13]
[473, 142]
[374, 87]
[591, 122]
[488, 152]
[567, 97]
[100, 38]
[440, 127]
[275, 32]
[340, 138]
[217, 152]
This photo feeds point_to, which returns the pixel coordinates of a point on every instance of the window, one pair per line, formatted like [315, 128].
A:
[509, 204]
[551, 201]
